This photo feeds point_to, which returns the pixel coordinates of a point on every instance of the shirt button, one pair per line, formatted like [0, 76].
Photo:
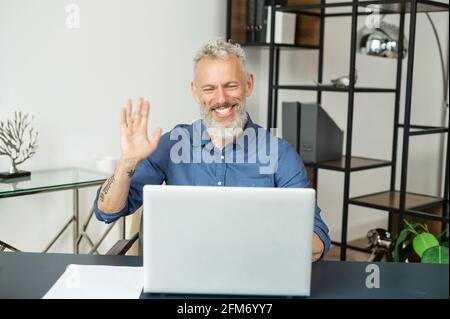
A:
[219, 183]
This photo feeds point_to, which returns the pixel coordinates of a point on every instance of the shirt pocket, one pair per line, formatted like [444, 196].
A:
[263, 181]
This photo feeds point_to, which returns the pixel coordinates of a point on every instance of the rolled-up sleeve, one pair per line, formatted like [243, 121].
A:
[108, 218]
[291, 172]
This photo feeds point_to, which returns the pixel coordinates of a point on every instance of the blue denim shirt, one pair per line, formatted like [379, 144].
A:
[186, 156]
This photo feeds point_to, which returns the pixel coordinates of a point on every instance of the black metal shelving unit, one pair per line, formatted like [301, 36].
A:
[397, 203]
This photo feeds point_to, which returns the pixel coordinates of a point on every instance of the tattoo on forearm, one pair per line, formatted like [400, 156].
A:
[106, 188]
[131, 172]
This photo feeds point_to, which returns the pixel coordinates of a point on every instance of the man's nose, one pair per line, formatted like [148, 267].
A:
[220, 96]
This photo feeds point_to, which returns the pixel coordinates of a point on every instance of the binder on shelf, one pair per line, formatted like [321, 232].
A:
[311, 131]
[258, 13]
[251, 21]
[261, 21]
[277, 3]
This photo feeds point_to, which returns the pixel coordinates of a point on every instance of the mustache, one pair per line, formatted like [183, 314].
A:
[222, 106]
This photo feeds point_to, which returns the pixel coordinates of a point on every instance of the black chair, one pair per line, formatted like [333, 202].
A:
[122, 246]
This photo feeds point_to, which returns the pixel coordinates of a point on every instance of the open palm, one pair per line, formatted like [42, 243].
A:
[135, 142]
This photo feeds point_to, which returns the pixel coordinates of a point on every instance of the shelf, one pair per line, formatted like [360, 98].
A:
[356, 164]
[435, 130]
[282, 46]
[353, 247]
[332, 88]
[426, 215]
[419, 127]
[417, 205]
[390, 201]
[425, 130]
[307, 29]
[337, 9]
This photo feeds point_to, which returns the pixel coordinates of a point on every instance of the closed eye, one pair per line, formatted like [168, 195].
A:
[208, 89]
[231, 86]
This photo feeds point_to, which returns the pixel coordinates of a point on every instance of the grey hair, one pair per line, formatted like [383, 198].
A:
[220, 49]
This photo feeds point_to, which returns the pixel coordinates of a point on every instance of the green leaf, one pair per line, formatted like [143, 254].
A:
[435, 255]
[400, 239]
[424, 241]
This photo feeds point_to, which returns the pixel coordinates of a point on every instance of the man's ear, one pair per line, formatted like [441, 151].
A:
[249, 85]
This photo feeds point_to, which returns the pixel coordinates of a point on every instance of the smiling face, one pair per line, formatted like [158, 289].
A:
[220, 88]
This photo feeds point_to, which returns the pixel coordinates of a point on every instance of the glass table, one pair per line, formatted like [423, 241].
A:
[52, 180]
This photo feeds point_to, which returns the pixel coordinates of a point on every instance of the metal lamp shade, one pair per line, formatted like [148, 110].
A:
[381, 42]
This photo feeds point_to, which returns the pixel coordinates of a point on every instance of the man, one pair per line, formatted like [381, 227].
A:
[211, 151]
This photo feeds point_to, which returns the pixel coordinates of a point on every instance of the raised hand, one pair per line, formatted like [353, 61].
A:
[135, 142]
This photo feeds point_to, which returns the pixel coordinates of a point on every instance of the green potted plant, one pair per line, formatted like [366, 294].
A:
[416, 243]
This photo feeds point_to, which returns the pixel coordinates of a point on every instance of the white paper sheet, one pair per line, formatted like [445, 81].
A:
[98, 282]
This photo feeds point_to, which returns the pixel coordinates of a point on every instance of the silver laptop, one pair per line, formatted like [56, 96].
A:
[228, 240]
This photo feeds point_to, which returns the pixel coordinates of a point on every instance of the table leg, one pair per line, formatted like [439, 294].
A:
[102, 238]
[72, 219]
[76, 218]
[4, 246]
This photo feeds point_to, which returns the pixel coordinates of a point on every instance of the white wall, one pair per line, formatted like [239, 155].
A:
[74, 82]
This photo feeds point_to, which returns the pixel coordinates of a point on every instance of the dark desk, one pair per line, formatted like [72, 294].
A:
[30, 275]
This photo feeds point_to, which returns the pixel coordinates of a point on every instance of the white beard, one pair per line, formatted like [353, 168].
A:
[216, 129]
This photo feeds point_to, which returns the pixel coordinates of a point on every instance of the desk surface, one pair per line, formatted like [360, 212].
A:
[30, 275]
